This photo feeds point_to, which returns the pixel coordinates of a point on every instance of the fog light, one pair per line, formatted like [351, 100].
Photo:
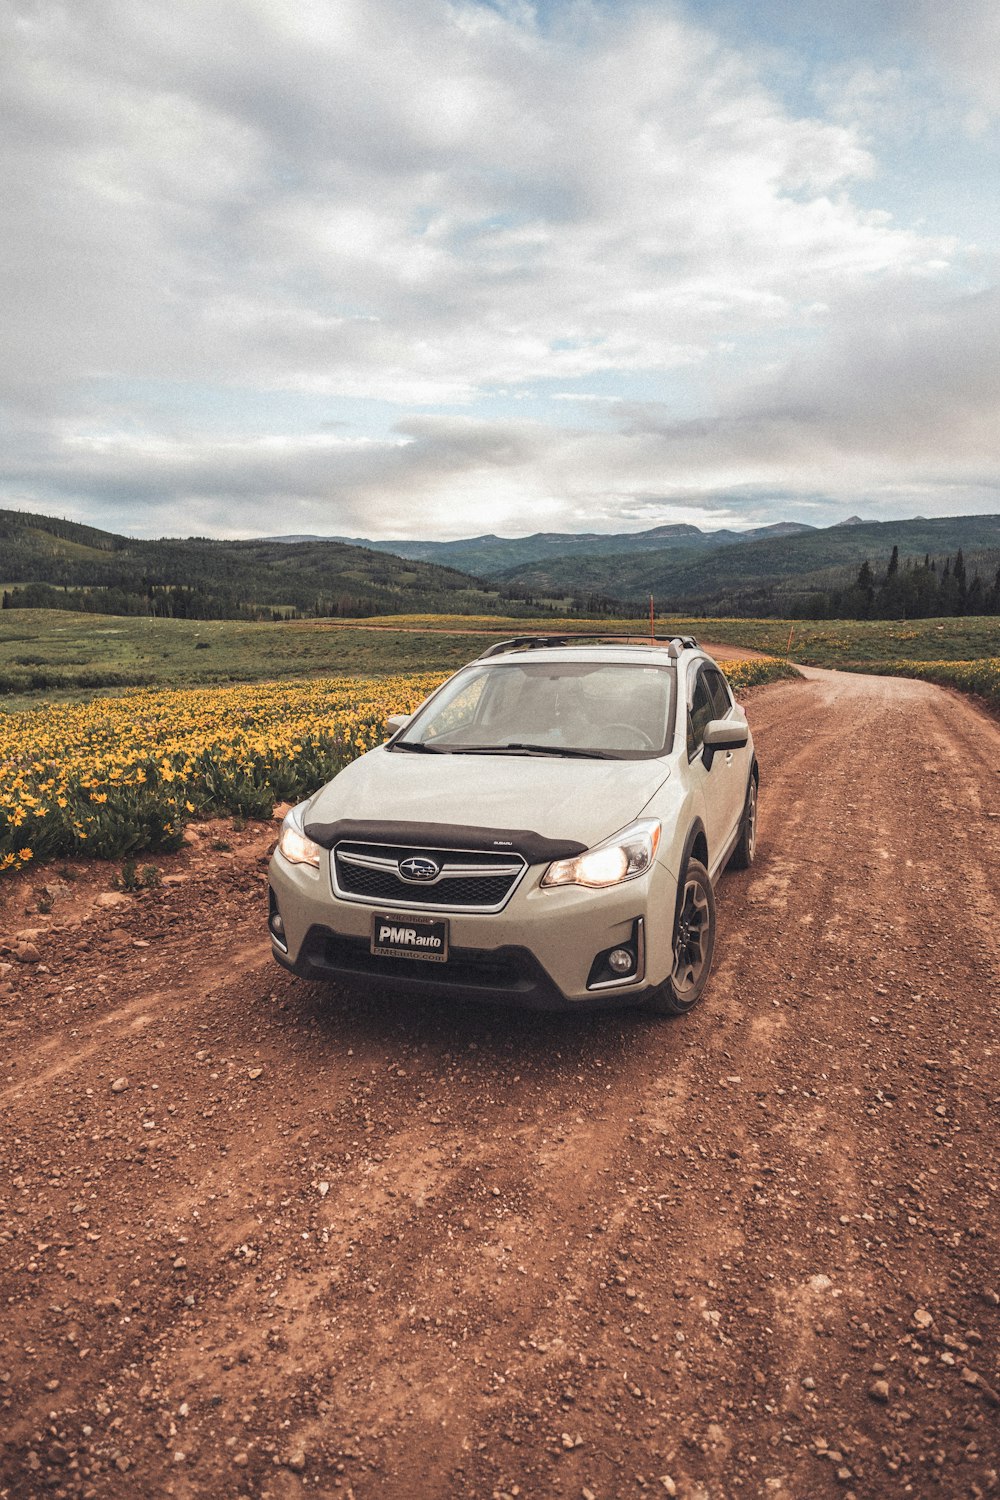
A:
[620, 961]
[277, 925]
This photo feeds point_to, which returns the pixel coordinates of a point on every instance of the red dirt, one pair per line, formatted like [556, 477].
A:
[325, 1242]
[722, 652]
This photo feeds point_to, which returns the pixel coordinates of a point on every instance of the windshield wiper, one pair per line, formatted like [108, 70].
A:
[421, 748]
[519, 747]
[563, 750]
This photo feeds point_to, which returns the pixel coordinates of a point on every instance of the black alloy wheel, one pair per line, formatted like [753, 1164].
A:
[693, 944]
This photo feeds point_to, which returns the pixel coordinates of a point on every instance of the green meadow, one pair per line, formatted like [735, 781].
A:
[52, 654]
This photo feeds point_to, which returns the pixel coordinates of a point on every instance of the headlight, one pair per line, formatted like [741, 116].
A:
[628, 854]
[295, 847]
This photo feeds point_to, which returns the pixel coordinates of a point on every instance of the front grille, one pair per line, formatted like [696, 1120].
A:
[380, 885]
[469, 880]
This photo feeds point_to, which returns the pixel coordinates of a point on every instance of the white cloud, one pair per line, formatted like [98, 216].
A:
[408, 203]
[965, 40]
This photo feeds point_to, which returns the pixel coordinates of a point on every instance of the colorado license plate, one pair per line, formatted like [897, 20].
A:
[410, 937]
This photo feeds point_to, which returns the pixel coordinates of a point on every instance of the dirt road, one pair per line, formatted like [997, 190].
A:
[263, 1240]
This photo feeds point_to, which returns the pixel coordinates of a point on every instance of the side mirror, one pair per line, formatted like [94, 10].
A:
[723, 734]
[395, 722]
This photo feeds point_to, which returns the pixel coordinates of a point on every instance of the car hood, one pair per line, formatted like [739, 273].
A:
[576, 801]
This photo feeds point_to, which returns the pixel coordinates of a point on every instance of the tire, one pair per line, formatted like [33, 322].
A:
[693, 944]
[742, 856]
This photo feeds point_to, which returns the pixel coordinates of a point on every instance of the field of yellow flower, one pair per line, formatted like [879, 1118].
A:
[980, 677]
[748, 674]
[116, 776]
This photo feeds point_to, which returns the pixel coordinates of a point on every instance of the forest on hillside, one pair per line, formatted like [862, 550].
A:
[48, 564]
[910, 590]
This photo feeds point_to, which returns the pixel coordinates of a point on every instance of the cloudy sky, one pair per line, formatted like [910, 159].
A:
[418, 268]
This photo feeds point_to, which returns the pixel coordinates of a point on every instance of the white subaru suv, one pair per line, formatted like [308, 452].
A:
[546, 828]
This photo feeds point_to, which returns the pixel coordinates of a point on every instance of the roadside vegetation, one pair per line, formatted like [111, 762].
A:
[118, 776]
[981, 678]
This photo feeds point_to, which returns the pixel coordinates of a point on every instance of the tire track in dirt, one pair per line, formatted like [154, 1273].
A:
[135, 1014]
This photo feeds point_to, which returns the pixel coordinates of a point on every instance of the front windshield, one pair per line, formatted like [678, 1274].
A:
[618, 710]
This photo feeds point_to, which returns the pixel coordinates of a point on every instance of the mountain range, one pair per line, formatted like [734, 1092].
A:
[490, 556]
[786, 568]
[770, 575]
[772, 569]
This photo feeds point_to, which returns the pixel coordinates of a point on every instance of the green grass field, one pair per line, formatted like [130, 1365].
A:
[51, 654]
[815, 643]
[859, 643]
[47, 654]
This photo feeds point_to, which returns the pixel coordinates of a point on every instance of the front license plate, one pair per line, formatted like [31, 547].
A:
[410, 937]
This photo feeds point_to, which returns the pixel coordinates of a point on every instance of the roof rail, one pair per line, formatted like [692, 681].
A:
[523, 642]
[675, 643]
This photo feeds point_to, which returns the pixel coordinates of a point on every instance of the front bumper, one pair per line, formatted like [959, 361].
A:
[539, 952]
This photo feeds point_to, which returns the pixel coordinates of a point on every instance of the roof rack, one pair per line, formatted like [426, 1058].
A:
[675, 643]
[681, 643]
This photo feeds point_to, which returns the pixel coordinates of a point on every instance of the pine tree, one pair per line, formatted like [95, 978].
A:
[959, 577]
[993, 602]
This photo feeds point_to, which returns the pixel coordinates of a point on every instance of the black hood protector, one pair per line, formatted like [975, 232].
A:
[533, 846]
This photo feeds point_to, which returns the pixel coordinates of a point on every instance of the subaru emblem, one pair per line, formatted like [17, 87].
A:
[419, 867]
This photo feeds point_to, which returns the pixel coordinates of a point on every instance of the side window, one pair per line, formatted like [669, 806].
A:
[720, 692]
[461, 711]
[702, 710]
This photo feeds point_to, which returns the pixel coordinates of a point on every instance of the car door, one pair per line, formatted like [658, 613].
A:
[735, 762]
[713, 787]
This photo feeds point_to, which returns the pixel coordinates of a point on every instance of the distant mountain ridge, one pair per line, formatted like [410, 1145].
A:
[491, 556]
[767, 575]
